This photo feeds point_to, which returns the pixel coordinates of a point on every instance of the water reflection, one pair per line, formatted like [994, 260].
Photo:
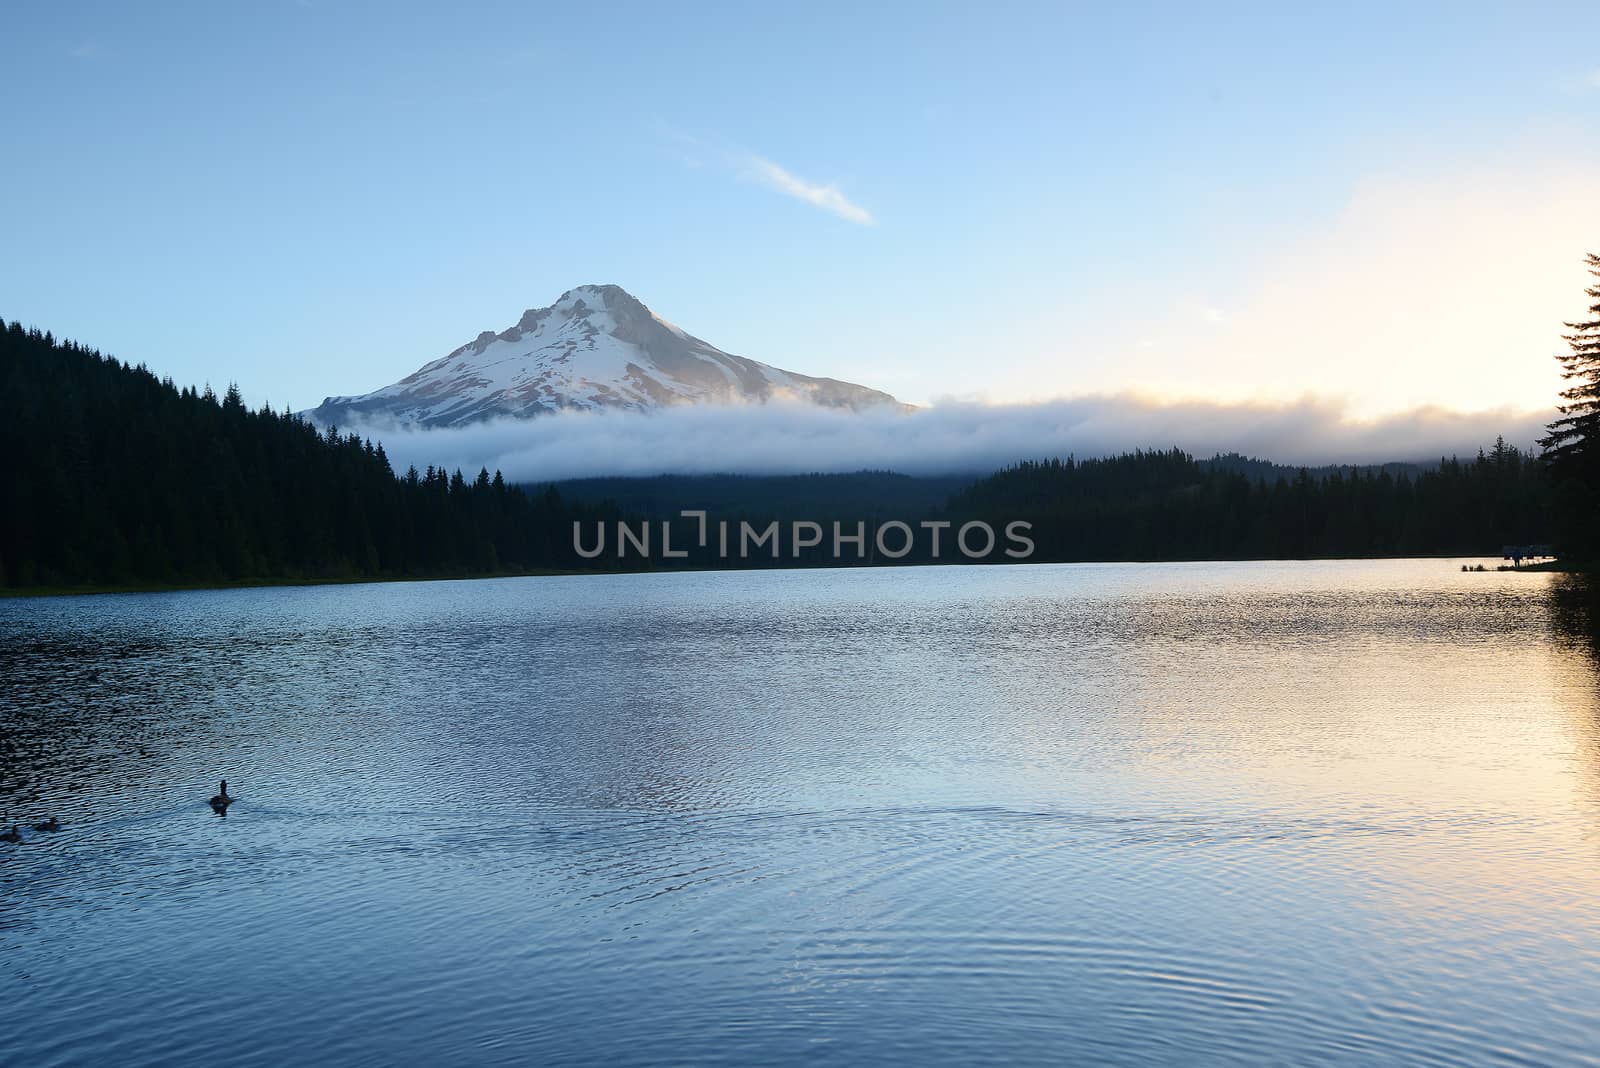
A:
[1575, 610]
[1127, 814]
[1575, 616]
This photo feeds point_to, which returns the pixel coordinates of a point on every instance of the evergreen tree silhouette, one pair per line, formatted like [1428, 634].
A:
[1572, 447]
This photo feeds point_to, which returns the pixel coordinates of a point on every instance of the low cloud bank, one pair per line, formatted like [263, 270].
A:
[950, 438]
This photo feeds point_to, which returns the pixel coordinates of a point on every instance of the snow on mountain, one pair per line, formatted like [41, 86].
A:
[596, 347]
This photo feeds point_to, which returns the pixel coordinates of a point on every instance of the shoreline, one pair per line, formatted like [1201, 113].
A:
[96, 590]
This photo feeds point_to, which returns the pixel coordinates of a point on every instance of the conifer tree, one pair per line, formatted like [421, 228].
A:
[1572, 447]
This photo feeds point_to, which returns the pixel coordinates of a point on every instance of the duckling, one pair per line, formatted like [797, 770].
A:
[11, 836]
[49, 825]
[222, 800]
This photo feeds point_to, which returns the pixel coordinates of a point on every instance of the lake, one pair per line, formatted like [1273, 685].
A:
[1191, 814]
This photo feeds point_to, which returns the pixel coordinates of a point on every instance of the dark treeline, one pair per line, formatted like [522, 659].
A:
[115, 477]
[1168, 506]
[1140, 506]
[1266, 470]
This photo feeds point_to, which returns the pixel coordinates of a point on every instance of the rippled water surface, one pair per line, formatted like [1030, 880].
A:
[1184, 814]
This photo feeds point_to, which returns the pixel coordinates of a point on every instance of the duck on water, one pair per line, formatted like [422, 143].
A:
[14, 835]
[221, 802]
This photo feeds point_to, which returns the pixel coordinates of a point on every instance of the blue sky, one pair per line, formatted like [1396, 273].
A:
[1004, 202]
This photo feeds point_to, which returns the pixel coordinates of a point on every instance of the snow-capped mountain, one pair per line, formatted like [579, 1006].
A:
[596, 347]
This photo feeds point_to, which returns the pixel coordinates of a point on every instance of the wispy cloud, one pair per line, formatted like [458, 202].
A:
[694, 152]
[827, 197]
[1201, 309]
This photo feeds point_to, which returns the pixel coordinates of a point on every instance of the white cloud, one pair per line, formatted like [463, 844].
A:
[691, 150]
[1203, 310]
[790, 439]
[826, 197]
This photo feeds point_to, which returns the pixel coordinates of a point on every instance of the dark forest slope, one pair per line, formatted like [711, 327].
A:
[114, 476]
[1168, 506]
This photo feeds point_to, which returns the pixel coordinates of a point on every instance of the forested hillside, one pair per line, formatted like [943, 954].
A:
[1168, 506]
[116, 477]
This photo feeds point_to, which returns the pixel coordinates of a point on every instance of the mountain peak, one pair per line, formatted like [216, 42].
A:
[596, 347]
[596, 293]
[584, 301]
